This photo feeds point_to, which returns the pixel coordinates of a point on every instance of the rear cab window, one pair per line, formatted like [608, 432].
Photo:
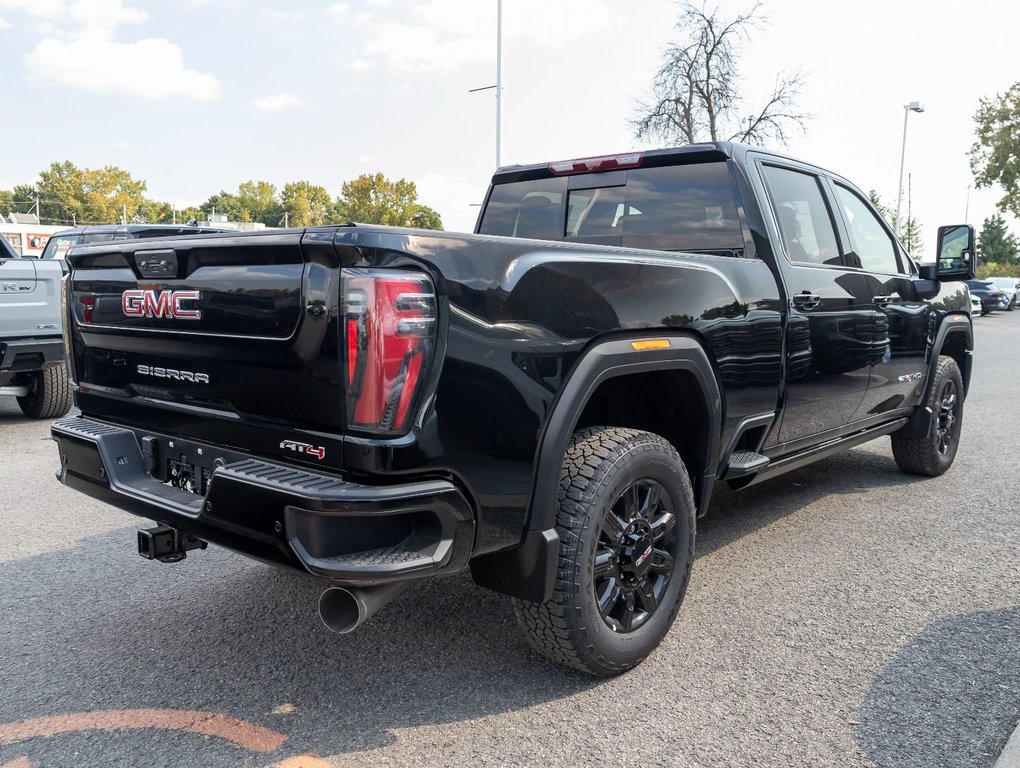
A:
[690, 207]
[58, 246]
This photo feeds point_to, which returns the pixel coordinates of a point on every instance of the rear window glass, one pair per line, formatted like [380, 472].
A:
[58, 246]
[674, 208]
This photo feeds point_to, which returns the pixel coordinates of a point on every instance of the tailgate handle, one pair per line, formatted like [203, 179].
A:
[156, 263]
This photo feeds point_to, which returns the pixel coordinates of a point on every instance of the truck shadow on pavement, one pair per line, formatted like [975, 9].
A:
[965, 663]
[734, 514]
[95, 628]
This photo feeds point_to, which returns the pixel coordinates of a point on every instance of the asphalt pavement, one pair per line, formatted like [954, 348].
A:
[845, 614]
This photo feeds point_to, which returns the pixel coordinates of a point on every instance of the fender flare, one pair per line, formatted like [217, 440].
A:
[528, 570]
[921, 420]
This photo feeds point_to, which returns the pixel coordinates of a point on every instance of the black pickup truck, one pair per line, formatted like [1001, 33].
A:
[548, 402]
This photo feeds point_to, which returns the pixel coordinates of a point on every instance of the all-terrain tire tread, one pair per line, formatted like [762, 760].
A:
[52, 395]
[553, 628]
[920, 456]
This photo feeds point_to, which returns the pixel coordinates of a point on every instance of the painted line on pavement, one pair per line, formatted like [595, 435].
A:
[239, 732]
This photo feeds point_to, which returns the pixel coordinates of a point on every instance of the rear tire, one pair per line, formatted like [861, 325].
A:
[49, 394]
[626, 528]
[933, 454]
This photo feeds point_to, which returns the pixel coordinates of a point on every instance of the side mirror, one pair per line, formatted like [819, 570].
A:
[954, 257]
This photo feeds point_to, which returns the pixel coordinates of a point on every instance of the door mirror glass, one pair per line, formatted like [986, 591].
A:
[955, 258]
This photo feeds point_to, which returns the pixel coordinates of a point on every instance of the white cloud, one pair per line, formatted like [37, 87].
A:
[453, 197]
[104, 14]
[277, 102]
[77, 49]
[284, 17]
[47, 9]
[359, 65]
[4, 24]
[338, 11]
[441, 35]
[153, 68]
[84, 13]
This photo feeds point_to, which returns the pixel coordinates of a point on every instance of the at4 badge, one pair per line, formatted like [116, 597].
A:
[317, 451]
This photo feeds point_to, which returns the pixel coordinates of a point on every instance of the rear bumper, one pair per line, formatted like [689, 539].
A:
[30, 354]
[345, 532]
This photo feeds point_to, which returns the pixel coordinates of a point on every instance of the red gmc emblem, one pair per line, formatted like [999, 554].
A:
[143, 303]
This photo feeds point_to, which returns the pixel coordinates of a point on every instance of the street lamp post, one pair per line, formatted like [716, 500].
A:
[914, 106]
[499, 78]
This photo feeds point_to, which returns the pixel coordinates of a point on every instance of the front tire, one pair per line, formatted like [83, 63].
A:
[626, 528]
[933, 454]
[49, 394]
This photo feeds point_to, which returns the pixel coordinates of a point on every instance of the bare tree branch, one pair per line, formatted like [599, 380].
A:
[696, 92]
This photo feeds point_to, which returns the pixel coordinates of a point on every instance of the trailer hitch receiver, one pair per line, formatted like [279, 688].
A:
[166, 544]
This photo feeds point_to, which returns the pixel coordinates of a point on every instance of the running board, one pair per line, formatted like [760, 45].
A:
[830, 448]
[744, 463]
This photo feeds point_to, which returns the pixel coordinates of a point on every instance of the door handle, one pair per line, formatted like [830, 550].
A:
[882, 301]
[806, 300]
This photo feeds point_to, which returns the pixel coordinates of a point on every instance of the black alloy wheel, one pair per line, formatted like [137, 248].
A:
[634, 556]
[948, 416]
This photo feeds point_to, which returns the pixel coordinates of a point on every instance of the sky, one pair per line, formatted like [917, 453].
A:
[197, 96]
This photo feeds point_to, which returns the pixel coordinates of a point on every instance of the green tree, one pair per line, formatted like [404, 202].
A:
[910, 227]
[224, 203]
[880, 206]
[995, 156]
[426, 218]
[6, 201]
[89, 195]
[306, 204]
[696, 92]
[374, 199]
[259, 202]
[996, 244]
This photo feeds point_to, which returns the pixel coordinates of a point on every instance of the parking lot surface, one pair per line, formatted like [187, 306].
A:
[843, 614]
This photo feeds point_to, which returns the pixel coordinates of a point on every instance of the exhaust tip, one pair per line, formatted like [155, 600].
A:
[340, 610]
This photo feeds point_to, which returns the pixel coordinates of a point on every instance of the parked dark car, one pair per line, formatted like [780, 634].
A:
[60, 242]
[991, 299]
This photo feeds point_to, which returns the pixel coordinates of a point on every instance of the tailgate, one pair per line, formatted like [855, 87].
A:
[230, 339]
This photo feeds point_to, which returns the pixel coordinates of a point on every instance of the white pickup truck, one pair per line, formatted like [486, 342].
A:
[31, 345]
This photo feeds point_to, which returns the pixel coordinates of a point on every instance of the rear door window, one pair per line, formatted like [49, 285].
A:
[805, 224]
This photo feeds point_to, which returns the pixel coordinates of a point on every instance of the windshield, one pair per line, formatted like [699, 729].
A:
[672, 208]
[1008, 283]
[58, 245]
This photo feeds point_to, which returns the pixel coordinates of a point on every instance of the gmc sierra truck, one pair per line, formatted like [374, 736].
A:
[548, 402]
[31, 347]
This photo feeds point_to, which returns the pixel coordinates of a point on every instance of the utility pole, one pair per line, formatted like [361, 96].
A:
[499, 79]
[37, 216]
[123, 214]
[966, 210]
[910, 228]
[286, 219]
[174, 209]
[914, 106]
[499, 76]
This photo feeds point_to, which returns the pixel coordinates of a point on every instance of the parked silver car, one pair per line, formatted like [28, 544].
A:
[1009, 287]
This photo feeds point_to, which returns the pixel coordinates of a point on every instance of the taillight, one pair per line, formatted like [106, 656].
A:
[389, 335]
